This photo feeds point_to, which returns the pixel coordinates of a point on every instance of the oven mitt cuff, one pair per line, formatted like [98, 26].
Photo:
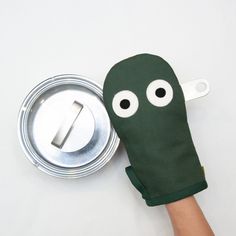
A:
[166, 198]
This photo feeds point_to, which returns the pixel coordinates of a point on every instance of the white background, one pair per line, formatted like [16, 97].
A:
[40, 39]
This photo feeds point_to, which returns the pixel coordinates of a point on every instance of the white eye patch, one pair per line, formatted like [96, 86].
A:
[125, 103]
[159, 93]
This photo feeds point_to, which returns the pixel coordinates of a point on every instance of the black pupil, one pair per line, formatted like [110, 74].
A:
[125, 103]
[160, 92]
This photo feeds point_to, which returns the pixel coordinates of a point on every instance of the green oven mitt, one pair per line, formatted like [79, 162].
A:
[146, 106]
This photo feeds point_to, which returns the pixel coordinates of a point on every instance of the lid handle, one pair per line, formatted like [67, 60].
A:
[67, 125]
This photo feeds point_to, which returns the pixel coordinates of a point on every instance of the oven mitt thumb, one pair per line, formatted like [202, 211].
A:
[145, 103]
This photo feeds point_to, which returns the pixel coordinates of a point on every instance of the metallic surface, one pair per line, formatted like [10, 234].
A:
[67, 125]
[91, 142]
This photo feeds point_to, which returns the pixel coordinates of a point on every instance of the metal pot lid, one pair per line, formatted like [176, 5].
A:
[64, 129]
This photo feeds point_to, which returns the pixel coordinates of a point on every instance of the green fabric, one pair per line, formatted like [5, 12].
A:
[164, 163]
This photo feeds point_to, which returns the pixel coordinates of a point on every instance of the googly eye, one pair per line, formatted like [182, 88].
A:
[159, 93]
[125, 103]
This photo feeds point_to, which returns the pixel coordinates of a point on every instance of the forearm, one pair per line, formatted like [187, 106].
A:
[187, 218]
